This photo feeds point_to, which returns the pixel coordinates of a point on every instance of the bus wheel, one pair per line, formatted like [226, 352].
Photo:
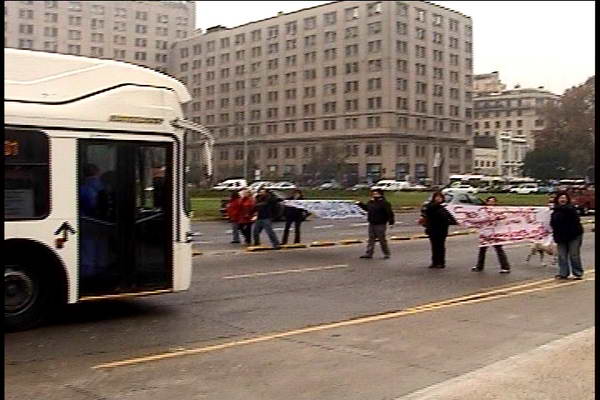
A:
[24, 297]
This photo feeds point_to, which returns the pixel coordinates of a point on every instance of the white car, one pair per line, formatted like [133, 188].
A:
[460, 189]
[231, 184]
[526, 188]
[391, 185]
[281, 186]
[329, 185]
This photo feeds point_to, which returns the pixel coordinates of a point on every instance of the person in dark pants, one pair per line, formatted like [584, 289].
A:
[379, 214]
[294, 216]
[568, 235]
[504, 265]
[245, 214]
[266, 209]
[436, 221]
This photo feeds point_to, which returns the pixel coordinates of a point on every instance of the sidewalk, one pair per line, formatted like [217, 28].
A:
[562, 369]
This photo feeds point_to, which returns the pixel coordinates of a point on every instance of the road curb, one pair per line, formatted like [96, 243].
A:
[322, 244]
[350, 241]
[259, 248]
[293, 246]
[400, 238]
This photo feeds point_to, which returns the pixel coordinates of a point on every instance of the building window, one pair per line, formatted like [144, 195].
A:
[310, 23]
[330, 18]
[351, 13]
[420, 15]
[373, 122]
[374, 28]
[291, 28]
[374, 9]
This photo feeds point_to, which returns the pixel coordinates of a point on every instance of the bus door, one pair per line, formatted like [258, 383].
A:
[125, 216]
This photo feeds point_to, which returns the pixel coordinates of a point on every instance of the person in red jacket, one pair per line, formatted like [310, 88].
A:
[233, 214]
[245, 217]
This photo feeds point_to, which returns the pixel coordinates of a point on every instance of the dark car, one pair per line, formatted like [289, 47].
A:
[278, 194]
[460, 198]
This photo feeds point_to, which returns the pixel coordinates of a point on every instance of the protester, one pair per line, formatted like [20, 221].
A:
[436, 220]
[294, 216]
[233, 208]
[568, 235]
[245, 214]
[379, 214]
[504, 265]
[266, 209]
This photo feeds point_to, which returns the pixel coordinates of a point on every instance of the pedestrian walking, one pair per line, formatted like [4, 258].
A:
[436, 220]
[568, 235]
[266, 209]
[504, 265]
[232, 212]
[294, 216]
[379, 214]
[246, 213]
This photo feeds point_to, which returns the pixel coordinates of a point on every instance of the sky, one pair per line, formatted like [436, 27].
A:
[530, 43]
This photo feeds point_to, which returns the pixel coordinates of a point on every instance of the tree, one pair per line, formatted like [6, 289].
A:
[545, 164]
[328, 164]
[570, 127]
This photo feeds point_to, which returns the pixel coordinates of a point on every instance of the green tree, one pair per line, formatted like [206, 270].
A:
[544, 164]
[570, 127]
[328, 163]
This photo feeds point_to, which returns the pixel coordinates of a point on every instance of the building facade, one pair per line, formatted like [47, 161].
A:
[512, 118]
[358, 90]
[139, 32]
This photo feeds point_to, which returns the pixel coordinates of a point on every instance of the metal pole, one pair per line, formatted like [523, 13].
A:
[245, 152]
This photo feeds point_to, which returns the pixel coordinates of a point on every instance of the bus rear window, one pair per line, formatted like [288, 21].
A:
[26, 175]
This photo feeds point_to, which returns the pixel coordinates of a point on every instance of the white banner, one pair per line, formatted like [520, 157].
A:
[504, 225]
[329, 209]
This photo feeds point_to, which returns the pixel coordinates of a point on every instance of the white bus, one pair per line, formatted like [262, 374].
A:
[94, 185]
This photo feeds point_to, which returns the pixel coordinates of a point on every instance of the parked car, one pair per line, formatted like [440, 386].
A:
[329, 186]
[417, 188]
[358, 186]
[390, 184]
[255, 185]
[525, 188]
[546, 189]
[231, 184]
[460, 189]
[584, 200]
[459, 198]
[281, 186]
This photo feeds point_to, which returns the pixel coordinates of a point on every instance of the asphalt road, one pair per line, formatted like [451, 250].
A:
[314, 323]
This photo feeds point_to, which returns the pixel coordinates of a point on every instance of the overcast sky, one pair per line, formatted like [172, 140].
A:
[531, 43]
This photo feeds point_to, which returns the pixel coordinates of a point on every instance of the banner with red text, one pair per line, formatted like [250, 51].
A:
[504, 225]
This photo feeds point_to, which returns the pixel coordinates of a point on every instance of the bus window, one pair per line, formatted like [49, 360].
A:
[26, 175]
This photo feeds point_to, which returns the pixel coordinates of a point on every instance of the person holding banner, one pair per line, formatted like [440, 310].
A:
[568, 234]
[504, 265]
[436, 219]
[379, 213]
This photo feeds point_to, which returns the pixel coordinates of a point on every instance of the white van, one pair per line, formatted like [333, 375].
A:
[231, 184]
[391, 185]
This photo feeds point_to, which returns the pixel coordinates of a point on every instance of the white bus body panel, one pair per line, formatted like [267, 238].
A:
[91, 91]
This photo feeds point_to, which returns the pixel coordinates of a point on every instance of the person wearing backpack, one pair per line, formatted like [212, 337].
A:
[266, 209]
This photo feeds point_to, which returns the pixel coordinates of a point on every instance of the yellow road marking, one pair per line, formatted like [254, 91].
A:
[471, 299]
[287, 271]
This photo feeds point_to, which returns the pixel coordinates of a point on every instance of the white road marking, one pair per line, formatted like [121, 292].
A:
[203, 242]
[323, 226]
[361, 224]
[288, 271]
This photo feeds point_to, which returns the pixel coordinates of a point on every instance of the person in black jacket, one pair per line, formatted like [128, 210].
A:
[294, 216]
[266, 209]
[568, 234]
[379, 214]
[437, 219]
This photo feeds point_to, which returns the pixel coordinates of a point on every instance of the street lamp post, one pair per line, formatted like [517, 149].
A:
[245, 135]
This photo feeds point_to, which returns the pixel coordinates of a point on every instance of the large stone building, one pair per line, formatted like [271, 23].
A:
[140, 32]
[378, 86]
[511, 117]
